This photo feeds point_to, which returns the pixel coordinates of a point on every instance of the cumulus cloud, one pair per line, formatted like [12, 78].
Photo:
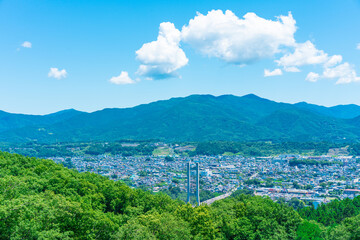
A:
[291, 69]
[122, 79]
[345, 73]
[333, 60]
[161, 58]
[56, 73]
[238, 41]
[26, 44]
[307, 54]
[275, 72]
[358, 46]
[312, 77]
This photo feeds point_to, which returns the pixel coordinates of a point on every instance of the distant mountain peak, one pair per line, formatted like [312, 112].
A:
[302, 103]
[62, 112]
[251, 95]
[198, 117]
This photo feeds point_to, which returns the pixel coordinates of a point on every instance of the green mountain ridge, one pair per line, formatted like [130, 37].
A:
[13, 121]
[192, 118]
[340, 111]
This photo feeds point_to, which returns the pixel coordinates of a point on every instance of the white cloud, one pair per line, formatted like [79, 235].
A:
[26, 44]
[275, 72]
[358, 46]
[291, 69]
[161, 58]
[312, 77]
[307, 54]
[333, 60]
[56, 73]
[122, 79]
[238, 41]
[345, 73]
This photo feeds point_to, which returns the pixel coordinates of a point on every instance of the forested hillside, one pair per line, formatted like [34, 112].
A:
[146, 148]
[193, 118]
[9, 121]
[42, 200]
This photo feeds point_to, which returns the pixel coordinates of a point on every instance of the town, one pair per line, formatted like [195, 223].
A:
[313, 179]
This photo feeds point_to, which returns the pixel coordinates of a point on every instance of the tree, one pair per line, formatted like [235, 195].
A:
[310, 230]
[169, 159]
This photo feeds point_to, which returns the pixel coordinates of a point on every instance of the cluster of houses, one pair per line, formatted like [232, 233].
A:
[317, 183]
[270, 176]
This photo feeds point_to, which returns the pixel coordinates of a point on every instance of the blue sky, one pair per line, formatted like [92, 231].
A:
[57, 55]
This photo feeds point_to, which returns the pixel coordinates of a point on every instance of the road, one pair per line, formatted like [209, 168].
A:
[211, 200]
[254, 175]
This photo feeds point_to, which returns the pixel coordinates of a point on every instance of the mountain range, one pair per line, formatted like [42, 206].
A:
[192, 118]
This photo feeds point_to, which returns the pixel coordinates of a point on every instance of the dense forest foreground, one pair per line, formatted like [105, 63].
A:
[43, 200]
